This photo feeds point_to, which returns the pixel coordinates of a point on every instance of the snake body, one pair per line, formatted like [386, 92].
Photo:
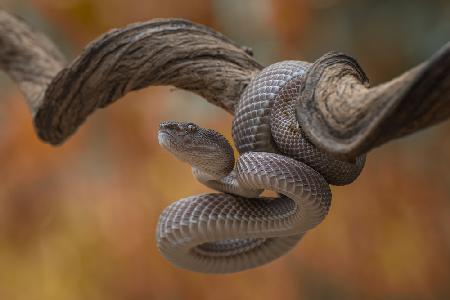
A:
[223, 232]
[236, 230]
[265, 121]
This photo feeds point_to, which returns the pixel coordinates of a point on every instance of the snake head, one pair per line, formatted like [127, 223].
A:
[177, 136]
[202, 148]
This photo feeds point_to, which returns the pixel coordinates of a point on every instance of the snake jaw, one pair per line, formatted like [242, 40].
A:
[176, 138]
[204, 149]
[164, 139]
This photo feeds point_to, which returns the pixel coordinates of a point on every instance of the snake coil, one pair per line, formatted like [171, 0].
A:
[223, 233]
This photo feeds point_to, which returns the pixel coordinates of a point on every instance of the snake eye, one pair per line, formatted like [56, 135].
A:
[191, 127]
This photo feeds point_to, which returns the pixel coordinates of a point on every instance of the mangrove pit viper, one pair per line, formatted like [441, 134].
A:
[223, 232]
[237, 230]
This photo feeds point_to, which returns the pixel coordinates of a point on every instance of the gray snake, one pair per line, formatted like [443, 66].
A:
[237, 230]
[217, 233]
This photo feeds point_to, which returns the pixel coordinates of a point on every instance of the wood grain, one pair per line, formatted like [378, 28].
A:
[343, 116]
[336, 108]
[159, 52]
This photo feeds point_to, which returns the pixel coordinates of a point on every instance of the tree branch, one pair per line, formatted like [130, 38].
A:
[343, 116]
[336, 109]
[160, 52]
[29, 58]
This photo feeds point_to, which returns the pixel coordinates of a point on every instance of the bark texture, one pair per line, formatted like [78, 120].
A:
[28, 57]
[336, 109]
[159, 52]
[343, 116]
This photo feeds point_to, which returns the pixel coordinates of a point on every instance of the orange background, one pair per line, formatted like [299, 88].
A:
[78, 221]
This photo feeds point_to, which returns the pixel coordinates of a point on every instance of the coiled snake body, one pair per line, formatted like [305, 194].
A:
[223, 232]
[237, 230]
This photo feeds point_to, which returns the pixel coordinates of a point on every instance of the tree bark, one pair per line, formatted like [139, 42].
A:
[336, 108]
[28, 57]
[159, 52]
[343, 116]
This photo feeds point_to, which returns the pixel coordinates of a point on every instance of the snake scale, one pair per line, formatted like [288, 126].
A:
[236, 230]
[223, 232]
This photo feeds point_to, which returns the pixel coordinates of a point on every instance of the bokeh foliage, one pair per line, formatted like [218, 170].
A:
[78, 221]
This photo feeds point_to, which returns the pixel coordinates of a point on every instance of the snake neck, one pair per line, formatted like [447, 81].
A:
[213, 164]
[206, 175]
[226, 184]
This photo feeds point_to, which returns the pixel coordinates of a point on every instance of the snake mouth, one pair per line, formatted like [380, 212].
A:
[164, 131]
[171, 142]
[165, 138]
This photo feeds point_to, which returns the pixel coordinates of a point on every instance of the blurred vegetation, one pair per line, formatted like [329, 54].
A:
[78, 221]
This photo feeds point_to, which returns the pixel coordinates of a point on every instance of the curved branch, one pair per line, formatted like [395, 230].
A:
[337, 109]
[28, 57]
[343, 116]
[159, 52]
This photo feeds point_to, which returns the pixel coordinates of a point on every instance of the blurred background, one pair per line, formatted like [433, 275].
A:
[78, 221]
